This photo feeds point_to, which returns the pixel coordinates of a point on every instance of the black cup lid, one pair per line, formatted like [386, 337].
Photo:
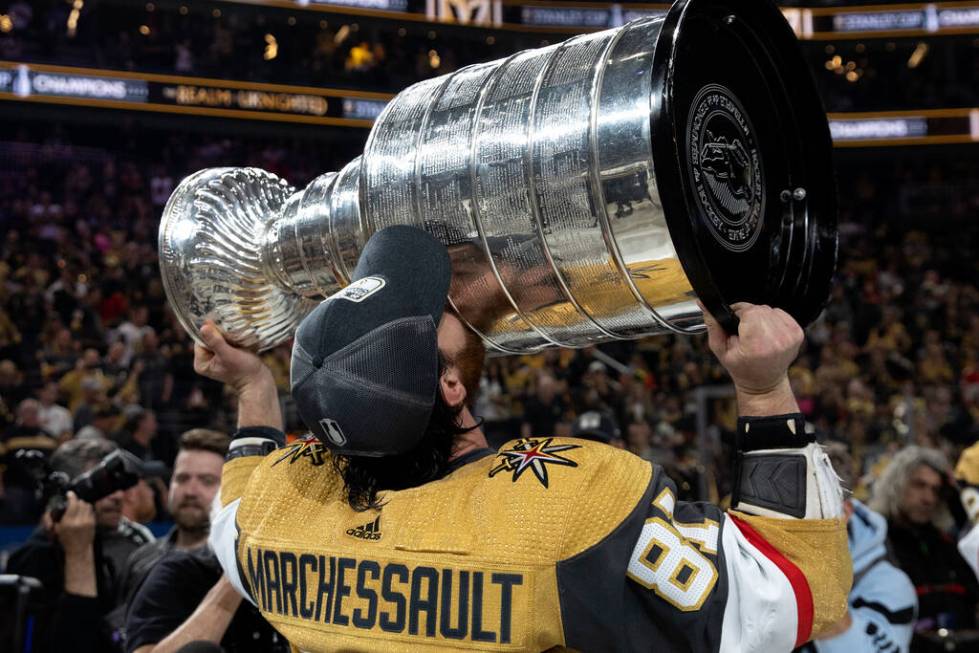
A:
[744, 162]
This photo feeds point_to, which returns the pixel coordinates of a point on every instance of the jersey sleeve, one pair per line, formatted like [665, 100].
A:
[771, 581]
[248, 450]
[679, 575]
[882, 607]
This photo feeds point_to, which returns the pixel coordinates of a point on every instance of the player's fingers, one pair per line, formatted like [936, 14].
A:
[790, 327]
[202, 358]
[213, 339]
[716, 336]
[740, 308]
[786, 319]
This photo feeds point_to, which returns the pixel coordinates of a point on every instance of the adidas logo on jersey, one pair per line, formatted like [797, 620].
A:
[371, 531]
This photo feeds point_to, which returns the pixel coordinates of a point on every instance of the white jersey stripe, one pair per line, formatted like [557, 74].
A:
[223, 537]
[761, 613]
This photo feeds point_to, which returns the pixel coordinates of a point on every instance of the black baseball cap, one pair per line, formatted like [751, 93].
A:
[365, 361]
[595, 425]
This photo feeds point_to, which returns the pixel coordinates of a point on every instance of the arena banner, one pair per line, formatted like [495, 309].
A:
[347, 108]
[22, 81]
[569, 16]
[196, 96]
[930, 127]
[379, 5]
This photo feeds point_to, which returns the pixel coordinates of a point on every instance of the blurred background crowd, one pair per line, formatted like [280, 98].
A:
[90, 349]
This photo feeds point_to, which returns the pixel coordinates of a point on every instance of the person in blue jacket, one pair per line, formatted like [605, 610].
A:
[883, 604]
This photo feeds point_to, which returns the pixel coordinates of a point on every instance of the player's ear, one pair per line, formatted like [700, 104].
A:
[452, 387]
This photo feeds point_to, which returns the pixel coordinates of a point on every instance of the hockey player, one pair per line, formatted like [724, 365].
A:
[394, 527]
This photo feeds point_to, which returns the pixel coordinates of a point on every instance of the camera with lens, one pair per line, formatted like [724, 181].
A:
[119, 470]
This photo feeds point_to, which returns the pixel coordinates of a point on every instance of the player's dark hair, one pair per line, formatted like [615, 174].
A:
[365, 477]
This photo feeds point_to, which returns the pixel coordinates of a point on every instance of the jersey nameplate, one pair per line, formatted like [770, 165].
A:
[370, 595]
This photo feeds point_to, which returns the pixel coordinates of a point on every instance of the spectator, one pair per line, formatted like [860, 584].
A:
[86, 375]
[17, 488]
[92, 397]
[184, 597]
[639, 438]
[78, 558]
[12, 387]
[138, 432]
[598, 426]
[54, 418]
[193, 486]
[132, 331]
[155, 379]
[104, 422]
[543, 410]
[139, 502]
[912, 495]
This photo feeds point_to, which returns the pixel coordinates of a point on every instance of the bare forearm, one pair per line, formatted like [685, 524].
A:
[258, 403]
[777, 401]
[208, 623]
[80, 573]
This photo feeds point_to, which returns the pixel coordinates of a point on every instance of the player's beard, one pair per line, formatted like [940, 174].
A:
[470, 363]
[190, 516]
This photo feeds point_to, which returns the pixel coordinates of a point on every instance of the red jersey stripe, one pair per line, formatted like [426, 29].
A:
[803, 595]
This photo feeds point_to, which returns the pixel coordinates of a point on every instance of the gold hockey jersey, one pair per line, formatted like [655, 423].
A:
[547, 544]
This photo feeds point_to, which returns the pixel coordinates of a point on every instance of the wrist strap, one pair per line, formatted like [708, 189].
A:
[779, 471]
[254, 441]
[775, 432]
[262, 432]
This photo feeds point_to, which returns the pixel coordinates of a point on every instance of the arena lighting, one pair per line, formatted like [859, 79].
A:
[271, 48]
[434, 60]
[918, 55]
[6, 24]
[76, 11]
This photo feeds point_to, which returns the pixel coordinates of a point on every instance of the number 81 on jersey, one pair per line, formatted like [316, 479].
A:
[670, 565]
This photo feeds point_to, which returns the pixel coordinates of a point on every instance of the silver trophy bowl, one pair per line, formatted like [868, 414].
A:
[587, 191]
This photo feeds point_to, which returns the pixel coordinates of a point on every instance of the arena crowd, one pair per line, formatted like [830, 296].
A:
[92, 359]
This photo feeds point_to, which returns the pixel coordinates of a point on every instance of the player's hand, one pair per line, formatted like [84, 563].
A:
[76, 529]
[223, 362]
[758, 356]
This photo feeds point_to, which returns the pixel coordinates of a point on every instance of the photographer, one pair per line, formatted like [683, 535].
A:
[78, 557]
[17, 502]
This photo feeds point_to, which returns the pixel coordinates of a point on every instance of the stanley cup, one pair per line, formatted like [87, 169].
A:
[587, 191]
